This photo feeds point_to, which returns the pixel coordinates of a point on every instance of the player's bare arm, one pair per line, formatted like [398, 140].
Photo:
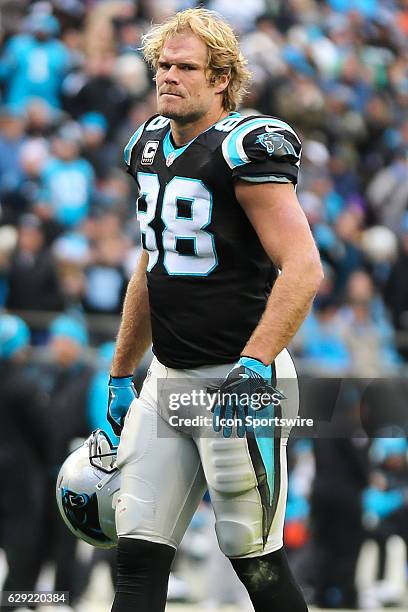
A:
[135, 335]
[284, 232]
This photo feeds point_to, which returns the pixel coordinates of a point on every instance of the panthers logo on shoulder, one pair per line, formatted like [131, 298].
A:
[272, 141]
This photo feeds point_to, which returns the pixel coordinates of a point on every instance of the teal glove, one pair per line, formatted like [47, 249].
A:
[122, 392]
[247, 378]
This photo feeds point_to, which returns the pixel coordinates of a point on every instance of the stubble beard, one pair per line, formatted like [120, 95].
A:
[182, 117]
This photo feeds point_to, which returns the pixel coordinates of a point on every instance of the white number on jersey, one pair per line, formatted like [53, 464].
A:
[227, 124]
[149, 188]
[190, 226]
[157, 124]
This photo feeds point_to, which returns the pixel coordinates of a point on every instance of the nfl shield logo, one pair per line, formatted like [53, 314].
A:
[170, 159]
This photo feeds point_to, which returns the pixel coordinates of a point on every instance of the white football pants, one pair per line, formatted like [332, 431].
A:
[165, 472]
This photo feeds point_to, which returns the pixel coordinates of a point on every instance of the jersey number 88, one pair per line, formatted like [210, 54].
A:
[186, 210]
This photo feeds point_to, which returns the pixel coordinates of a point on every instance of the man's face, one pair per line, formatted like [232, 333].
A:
[184, 92]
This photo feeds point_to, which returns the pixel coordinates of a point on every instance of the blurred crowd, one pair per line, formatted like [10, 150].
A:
[73, 88]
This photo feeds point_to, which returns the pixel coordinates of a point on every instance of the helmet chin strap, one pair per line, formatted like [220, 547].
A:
[106, 479]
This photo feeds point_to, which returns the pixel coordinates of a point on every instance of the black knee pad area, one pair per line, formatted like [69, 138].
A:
[269, 582]
[143, 570]
[138, 557]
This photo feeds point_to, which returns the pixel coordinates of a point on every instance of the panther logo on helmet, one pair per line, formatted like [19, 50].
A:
[82, 509]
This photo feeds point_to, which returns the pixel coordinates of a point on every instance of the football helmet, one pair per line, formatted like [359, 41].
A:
[87, 484]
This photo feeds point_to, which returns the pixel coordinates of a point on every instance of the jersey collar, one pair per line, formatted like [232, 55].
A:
[169, 150]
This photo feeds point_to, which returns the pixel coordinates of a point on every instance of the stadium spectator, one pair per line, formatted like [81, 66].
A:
[396, 289]
[385, 500]
[33, 157]
[12, 136]
[320, 342]
[34, 64]
[67, 181]
[72, 252]
[337, 530]
[8, 241]
[105, 279]
[99, 153]
[24, 439]
[241, 17]
[388, 191]
[367, 332]
[66, 381]
[100, 93]
[32, 275]
[323, 346]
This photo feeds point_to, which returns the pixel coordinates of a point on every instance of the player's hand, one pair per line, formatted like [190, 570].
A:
[248, 379]
[122, 392]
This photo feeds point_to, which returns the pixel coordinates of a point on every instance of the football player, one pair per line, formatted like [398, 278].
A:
[221, 226]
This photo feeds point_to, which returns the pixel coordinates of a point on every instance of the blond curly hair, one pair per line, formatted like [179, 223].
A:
[224, 56]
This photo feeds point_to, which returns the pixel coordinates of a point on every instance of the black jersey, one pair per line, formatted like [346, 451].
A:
[208, 276]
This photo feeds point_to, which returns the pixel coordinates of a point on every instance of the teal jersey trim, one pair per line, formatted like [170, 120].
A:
[127, 153]
[169, 149]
